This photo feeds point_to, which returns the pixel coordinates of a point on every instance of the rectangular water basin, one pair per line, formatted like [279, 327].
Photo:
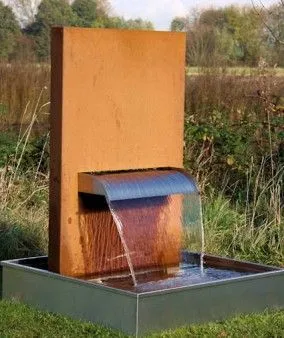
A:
[230, 287]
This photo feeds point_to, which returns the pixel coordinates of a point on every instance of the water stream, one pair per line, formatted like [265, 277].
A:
[158, 214]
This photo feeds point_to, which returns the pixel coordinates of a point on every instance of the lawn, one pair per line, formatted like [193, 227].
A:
[17, 320]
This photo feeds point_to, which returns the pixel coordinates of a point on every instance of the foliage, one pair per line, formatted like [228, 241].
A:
[86, 11]
[201, 46]
[120, 23]
[36, 19]
[50, 12]
[9, 31]
[7, 147]
[229, 36]
[178, 24]
[273, 21]
[233, 146]
[246, 29]
[139, 24]
[216, 36]
[233, 123]
[35, 152]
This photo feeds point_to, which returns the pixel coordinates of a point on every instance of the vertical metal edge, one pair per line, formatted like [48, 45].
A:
[56, 95]
[137, 317]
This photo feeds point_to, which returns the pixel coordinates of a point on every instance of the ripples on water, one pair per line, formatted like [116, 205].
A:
[184, 275]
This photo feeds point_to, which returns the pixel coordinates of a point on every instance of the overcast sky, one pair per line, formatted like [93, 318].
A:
[160, 12]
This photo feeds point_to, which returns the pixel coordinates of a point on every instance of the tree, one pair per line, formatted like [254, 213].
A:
[179, 24]
[275, 32]
[201, 46]
[120, 23]
[50, 12]
[226, 36]
[9, 31]
[272, 18]
[86, 11]
[246, 30]
[214, 18]
[139, 24]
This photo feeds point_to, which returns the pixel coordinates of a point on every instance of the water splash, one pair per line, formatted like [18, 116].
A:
[157, 214]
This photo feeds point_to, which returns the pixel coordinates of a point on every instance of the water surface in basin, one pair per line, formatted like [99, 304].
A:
[184, 275]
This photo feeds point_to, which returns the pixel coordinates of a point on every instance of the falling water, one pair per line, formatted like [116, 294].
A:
[193, 221]
[119, 226]
[158, 215]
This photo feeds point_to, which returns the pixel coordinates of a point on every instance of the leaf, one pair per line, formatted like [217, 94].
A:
[230, 160]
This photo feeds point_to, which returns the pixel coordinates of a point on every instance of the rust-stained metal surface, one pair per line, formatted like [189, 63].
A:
[117, 104]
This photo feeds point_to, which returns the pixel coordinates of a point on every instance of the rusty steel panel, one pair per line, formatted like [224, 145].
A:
[116, 104]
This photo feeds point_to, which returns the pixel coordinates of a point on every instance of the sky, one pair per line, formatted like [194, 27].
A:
[161, 12]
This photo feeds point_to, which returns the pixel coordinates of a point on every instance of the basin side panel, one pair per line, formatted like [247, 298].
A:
[117, 104]
[215, 302]
[71, 298]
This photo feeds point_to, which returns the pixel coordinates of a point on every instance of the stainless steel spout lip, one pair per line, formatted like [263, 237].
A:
[137, 184]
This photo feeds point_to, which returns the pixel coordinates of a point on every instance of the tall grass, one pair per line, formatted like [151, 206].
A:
[233, 145]
[254, 232]
[20, 84]
[24, 194]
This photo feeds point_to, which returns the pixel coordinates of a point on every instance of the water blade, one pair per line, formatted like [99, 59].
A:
[156, 230]
[157, 215]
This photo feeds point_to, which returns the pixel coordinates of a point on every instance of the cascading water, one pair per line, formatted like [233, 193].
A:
[158, 215]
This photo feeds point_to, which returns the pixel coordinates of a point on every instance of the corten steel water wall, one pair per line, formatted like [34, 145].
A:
[117, 103]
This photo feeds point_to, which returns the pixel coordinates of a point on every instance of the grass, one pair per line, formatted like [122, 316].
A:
[22, 235]
[229, 233]
[238, 71]
[23, 87]
[18, 320]
[234, 142]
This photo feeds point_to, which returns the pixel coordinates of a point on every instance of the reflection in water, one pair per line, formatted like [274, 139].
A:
[157, 215]
[184, 275]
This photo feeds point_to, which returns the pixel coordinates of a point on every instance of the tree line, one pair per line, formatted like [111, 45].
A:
[234, 36]
[228, 36]
[26, 36]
